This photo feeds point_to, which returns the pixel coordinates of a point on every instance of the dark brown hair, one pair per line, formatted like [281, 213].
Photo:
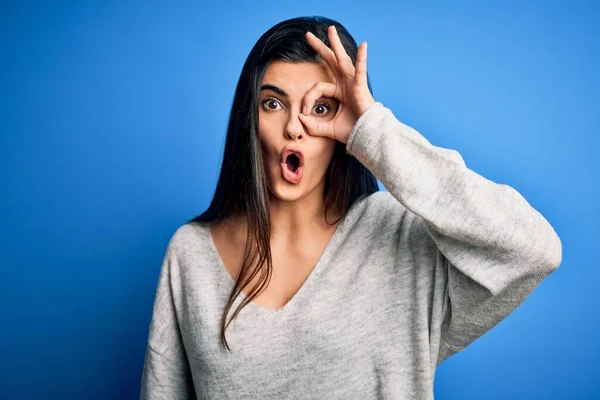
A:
[241, 188]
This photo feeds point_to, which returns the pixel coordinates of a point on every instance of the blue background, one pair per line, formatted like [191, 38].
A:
[112, 121]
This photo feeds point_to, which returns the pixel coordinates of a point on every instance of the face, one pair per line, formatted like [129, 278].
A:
[282, 133]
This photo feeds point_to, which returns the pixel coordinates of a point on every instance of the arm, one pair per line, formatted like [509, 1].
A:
[495, 246]
[166, 373]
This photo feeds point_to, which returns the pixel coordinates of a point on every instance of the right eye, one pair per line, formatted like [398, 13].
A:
[269, 103]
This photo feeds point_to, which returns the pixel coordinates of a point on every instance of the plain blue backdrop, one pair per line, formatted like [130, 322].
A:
[112, 122]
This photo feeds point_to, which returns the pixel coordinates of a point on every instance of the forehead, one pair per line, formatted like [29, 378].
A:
[296, 78]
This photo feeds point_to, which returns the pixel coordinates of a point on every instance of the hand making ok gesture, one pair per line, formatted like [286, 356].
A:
[350, 88]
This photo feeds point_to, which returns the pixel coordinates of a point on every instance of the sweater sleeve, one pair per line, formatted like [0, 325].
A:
[494, 246]
[166, 373]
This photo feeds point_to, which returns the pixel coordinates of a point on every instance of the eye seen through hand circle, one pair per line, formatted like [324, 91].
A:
[323, 107]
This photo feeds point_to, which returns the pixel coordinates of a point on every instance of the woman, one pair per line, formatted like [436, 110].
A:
[336, 290]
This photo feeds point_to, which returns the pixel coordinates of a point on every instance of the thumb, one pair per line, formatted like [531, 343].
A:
[316, 127]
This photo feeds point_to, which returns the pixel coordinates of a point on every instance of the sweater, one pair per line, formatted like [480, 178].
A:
[410, 277]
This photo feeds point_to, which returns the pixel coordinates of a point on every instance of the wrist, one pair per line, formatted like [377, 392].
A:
[363, 107]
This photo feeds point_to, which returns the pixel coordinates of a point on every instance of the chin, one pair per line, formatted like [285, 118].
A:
[285, 191]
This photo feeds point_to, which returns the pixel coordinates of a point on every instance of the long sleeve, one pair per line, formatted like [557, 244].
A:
[495, 246]
[166, 372]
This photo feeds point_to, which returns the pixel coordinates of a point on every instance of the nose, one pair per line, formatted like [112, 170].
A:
[294, 129]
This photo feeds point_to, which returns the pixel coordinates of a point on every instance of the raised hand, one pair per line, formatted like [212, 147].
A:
[350, 88]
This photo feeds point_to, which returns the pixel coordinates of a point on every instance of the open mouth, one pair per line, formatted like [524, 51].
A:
[292, 163]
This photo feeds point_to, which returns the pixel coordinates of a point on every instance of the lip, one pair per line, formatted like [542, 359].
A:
[286, 174]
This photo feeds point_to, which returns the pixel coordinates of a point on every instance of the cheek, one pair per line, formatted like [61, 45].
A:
[329, 149]
[268, 138]
[269, 129]
[324, 155]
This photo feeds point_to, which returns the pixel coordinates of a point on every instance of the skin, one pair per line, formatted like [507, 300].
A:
[296, 209]
[321, 105]
[299, 232]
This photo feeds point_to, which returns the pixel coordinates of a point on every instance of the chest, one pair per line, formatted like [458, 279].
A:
[291, 268]
[355, 327]
[290, 272]
[326, 345]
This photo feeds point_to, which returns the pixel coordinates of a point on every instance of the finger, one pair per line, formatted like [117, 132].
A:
[343, 59]
[320, 89]
[315, 127]
[360, 78]
[325, 52]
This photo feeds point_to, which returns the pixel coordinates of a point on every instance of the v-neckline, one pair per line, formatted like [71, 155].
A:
[299, 296]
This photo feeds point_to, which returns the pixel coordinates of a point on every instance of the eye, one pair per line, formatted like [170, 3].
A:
[321, 109]
[268, 103]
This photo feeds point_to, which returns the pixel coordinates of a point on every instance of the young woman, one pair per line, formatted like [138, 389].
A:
[336, 290]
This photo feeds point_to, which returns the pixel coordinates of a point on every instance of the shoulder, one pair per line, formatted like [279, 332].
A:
[383, 215]
[382, 199]
[190, 255]
[189, 238]
[377, 208]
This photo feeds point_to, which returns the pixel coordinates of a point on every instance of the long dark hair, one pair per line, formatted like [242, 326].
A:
[242, 186]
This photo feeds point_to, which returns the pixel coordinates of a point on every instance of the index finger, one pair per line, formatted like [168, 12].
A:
[325, 52]
[342, 57]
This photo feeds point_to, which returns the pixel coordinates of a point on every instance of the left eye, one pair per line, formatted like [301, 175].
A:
[324, 107]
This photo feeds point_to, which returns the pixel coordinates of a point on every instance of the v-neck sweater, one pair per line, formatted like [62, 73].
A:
[410, 276]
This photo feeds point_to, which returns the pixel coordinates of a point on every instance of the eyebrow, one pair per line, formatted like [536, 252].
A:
[275, 89]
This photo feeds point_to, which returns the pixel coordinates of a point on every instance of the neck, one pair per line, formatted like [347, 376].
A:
[293, 221]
